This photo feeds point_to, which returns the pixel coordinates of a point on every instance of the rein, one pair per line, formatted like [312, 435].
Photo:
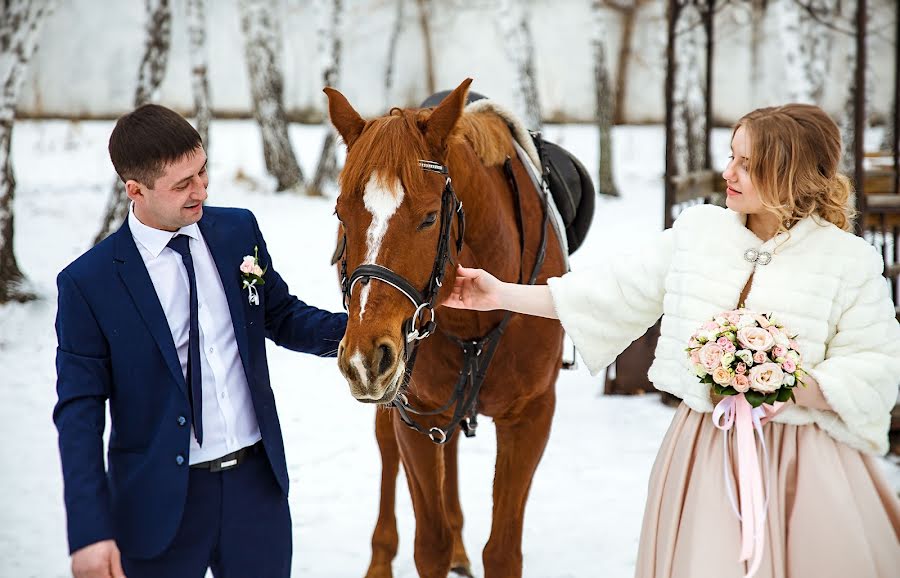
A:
[477, 353]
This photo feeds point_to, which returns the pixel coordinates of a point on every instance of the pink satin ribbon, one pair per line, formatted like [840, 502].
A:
[734, 411]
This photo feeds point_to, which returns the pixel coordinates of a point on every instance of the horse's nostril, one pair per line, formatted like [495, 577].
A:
[387, 358]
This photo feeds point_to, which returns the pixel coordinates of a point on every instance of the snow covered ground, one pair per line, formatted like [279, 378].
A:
[586, 504]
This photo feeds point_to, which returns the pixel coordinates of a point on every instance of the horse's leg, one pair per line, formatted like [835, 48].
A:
[460, 560]
[384, 537]
[520, 443]
[423, 462]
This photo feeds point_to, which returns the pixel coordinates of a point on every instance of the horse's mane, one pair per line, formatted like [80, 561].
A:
[393, 144]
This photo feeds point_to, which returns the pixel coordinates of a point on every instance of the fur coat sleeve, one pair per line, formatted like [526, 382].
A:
[605, 308]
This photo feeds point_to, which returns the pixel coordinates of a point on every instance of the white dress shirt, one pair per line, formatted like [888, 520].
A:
[229, 421]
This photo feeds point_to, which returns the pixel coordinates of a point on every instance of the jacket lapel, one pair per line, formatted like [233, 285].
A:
[216, 235]
[137, 280]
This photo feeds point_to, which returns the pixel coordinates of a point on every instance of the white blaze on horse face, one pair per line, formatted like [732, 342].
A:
[358, 363]
[382, 198]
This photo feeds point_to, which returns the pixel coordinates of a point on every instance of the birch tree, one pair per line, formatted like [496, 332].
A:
[806, 46]
[158, 36]
[425, 10]
[393, 41]
[604, 99]
[689, 111]
[512, 20]
[261, 48]
[196, 26]
[20, 27]
[329, 18]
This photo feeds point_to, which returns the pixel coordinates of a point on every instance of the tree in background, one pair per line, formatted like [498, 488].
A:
[512, 19]
[150, 74]
[196, 26]
[425, 13]
[20, 27]
[261, 46]
[393, 41]
[605, 101]
[690, 104]
[329, 19]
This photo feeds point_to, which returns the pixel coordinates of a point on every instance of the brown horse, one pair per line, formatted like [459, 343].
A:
[402, 226]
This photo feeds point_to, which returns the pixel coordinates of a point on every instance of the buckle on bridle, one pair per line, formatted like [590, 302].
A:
[437, 435]
[414, 334]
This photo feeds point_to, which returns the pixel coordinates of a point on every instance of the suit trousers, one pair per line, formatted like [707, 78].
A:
[235, 522]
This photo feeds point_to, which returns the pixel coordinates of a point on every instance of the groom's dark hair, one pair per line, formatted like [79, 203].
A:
[145, 140]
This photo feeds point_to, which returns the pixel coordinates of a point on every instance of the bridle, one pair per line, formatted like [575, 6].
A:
[415, 328]
[477, 353]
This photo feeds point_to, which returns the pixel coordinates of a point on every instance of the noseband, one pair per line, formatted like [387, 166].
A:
[422, 323]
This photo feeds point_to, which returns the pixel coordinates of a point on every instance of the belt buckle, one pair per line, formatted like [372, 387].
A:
[224, 463]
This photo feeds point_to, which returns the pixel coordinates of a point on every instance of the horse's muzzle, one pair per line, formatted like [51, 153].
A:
[374, 376]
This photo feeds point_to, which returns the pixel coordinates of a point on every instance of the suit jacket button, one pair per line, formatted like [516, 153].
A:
[179, 459]
[181, 420]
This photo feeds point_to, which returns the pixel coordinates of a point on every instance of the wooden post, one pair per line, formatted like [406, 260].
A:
[859, 116]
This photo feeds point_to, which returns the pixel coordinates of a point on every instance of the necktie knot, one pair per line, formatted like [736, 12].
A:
[180, 244]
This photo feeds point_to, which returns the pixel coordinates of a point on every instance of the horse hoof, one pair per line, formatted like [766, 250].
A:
[462, 571]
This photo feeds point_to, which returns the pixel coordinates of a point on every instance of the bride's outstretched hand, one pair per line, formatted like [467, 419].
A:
[474, 289]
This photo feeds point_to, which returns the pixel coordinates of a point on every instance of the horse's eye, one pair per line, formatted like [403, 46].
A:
[430, 219]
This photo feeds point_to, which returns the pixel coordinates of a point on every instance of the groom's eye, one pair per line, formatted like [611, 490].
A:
[430, 219]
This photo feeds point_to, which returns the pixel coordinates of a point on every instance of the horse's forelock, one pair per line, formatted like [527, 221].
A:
[390, 147]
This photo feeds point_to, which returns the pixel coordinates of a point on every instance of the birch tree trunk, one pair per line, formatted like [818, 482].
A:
[150, 75]
[512, 19]
[196, 25]
[396, 30]
[603, 90]
[806, 47]
[689, 112]
[261, 46]
[425, 9]
[330, 49]
[20, 27]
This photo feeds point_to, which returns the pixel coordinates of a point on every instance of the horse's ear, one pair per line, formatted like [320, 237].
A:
[344, 118]
[443, 119]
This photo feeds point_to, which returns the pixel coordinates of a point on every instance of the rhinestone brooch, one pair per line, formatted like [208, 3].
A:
[758, 257]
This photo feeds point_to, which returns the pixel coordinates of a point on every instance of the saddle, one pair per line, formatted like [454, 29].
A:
[569, 182]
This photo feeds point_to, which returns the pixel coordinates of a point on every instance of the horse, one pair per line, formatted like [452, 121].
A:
[422, 189]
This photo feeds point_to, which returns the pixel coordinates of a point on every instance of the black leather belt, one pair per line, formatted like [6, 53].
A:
[231, 460]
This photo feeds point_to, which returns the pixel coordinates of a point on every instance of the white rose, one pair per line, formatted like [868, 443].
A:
[745, 355]
[746, 321]
[789, 379]
[727, 359]
[766, 377]
[699, 370]
[755, 338]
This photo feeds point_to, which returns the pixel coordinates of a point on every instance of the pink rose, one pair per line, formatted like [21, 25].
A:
[695, 357]
[710, 326]
[247, 265]
[722, 342]
[741, 383]
[779, 351]
[760, 357]
[732, 317]
[722, 376]
[763, 322]
[766, 378]
[693, 342]
[729, 347]
[755, 338]
[789, 366]
[257, 270]
[741, 368]
[710, 356]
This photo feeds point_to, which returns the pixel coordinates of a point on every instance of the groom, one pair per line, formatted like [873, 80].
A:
[166, 320]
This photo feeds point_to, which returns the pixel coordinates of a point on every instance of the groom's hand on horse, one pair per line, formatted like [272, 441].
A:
[99, 560]
[474, 289]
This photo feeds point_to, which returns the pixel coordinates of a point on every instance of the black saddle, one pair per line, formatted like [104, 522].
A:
[570, 184]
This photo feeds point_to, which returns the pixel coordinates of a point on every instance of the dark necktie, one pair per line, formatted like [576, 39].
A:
[179, 243]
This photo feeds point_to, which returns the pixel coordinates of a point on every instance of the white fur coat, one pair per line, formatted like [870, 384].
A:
[822, 283]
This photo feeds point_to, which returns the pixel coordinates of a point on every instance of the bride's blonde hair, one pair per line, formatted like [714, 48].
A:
[794, 154]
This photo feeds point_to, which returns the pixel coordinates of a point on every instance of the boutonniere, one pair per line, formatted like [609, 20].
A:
[252, 276]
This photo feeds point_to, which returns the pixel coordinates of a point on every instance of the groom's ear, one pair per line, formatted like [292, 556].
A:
[133, 189]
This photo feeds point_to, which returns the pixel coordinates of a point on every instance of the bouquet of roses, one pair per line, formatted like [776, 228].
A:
[750, 360]
[744, 352]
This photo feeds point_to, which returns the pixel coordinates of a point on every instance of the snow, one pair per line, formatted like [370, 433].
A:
[585, 509]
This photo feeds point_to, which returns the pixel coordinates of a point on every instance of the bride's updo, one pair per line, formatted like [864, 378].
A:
[795, 152]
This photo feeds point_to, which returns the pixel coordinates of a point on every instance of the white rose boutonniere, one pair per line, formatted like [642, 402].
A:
[252, 276]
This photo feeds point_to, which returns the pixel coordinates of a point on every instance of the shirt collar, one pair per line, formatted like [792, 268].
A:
[155, 240]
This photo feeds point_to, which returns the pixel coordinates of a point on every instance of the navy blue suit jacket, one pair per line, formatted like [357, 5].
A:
[115, 346]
